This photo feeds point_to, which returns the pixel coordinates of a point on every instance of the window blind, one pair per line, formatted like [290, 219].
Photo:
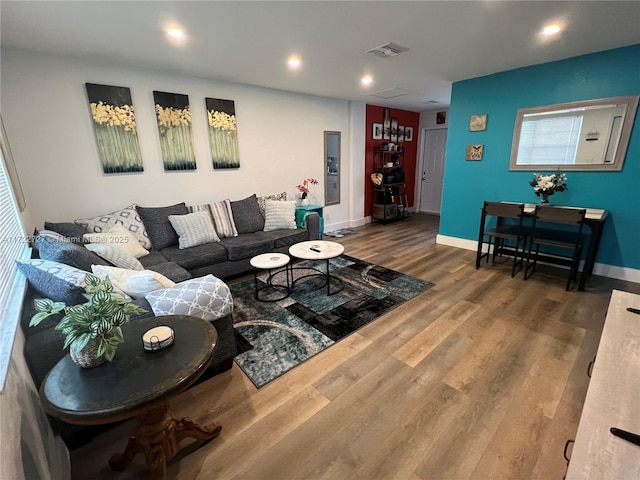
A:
[12, 239]
[549, 138]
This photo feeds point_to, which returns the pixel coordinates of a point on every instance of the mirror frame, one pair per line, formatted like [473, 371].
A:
[621, 152]
[326, 169]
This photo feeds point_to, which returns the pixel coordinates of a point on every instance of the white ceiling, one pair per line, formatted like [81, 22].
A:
[248, 42]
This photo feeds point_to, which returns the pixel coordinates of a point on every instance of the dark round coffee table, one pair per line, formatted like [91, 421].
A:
[138, 383]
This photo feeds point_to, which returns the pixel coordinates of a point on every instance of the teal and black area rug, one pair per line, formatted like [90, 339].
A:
[274, 337]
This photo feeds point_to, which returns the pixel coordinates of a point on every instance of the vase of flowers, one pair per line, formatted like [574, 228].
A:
[546, 185]
[304, 189]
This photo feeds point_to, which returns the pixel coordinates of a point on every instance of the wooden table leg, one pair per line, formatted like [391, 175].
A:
[158, 436]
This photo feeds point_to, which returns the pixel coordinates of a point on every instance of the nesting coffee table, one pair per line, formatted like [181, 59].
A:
[269, 262]
[318, 250]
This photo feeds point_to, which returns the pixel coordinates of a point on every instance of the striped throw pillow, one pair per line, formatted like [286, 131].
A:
[279, 215]
[223, 219]
[193, 229]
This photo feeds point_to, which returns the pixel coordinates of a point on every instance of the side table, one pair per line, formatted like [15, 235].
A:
[302, 211]
[138, 383]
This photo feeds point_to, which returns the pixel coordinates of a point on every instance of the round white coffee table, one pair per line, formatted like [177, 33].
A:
[318, 250]
[269, 262]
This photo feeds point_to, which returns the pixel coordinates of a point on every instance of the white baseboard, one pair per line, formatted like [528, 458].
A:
[602, 269]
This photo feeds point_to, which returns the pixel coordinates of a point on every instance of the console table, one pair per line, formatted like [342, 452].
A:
[138, 383]
[612, 399]
[595, 219]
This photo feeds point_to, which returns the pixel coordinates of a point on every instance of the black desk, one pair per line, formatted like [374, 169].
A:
[138, 384]
[595, 220]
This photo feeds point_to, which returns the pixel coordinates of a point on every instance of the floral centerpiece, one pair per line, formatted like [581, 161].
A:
[546, 185]
[304, 188]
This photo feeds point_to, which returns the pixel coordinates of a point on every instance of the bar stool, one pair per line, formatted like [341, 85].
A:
[572, 239]
[496, 236]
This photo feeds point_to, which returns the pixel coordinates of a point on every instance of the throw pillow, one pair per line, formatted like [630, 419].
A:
[54, 280]
[205, 297]
[70, 230]
[128, 217]
[118, 237]
[246, 215]
[117, 257]
[136, 283]
[156, 222]
[280, 216]
[62, 251]
[223, 219]
[262, 201]
[193, 229]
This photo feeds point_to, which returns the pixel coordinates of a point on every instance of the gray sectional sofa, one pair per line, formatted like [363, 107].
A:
[224, 259]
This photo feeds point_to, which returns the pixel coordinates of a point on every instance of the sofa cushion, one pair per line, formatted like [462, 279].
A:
[247, 216]
[194, 229]
[62, 251]
[247, 245]
[223, 219]
[206, 297]
[115, 256]
[262, 201]
[279, 215]
[286, 238]
[118, 237]
[156, 222]
[153, 258]
[53, 280]
[172, 271]
[135, 283]
[128, 217]
[196, 256]
[67, 229]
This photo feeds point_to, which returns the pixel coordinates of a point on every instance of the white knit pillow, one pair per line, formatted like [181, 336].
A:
[118, 237]
[117, 257]
[193, 229]
[136, 283]
[279, 215]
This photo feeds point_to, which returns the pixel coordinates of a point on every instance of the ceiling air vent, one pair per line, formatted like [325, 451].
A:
[388, 50]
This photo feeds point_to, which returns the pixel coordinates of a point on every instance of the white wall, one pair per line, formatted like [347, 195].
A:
[29, 449]
[281, 141]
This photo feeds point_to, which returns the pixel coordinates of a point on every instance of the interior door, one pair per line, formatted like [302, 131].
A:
[432, 170]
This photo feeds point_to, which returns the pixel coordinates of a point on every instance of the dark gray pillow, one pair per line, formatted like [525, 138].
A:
[68, 253]
[53, 280]
[67, 229]
[157, 224]
[247, 216]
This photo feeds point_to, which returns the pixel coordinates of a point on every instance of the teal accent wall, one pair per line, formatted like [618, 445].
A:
[467, 184]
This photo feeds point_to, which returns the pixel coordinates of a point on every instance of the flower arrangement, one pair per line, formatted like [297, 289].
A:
[548, 184]
[304, 188]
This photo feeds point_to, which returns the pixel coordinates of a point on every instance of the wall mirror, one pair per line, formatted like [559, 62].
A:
[332, 168]
[588, 135]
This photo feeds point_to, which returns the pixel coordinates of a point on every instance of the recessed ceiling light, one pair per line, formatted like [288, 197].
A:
[294, 63]
[551, 29]
[366, 80]
[175, 32]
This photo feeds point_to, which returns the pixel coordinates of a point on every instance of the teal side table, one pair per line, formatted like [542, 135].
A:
[302, 212]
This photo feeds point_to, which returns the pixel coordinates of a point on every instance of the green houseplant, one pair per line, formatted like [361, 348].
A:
[94, 329]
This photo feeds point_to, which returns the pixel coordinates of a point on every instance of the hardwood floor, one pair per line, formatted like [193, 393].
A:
[482, 377]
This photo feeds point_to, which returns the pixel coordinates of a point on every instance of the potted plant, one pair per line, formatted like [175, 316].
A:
[94, 329]
[546, 185]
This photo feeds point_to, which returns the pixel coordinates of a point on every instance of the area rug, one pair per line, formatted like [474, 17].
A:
[277, 336]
